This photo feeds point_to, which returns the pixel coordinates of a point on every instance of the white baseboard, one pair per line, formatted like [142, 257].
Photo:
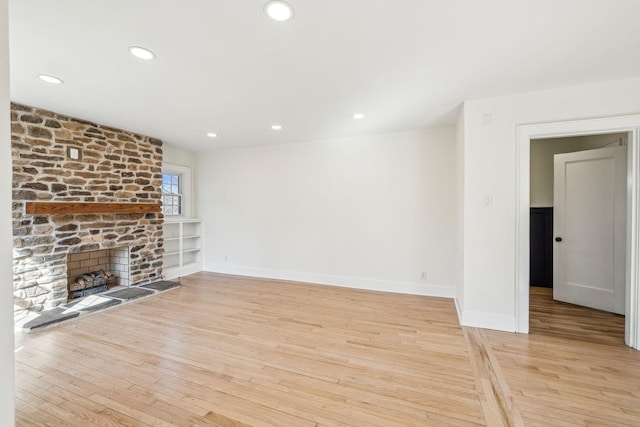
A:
[413, 288]
[487, 320]
[456, 300]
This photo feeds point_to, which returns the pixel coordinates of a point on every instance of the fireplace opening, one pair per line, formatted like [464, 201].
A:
[97, 271]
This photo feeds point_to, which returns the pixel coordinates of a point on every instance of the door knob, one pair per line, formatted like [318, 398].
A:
[558, 239]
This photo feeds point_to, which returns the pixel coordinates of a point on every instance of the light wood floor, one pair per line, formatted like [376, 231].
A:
[572, 369]
[231, 351]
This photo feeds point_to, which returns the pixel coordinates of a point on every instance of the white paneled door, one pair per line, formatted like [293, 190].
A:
[589, 248]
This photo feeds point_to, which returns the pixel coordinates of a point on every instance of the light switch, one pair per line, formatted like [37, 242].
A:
[487, 200]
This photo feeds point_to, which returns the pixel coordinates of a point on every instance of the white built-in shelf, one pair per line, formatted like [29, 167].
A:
[194, 265]
[168, 239]
[183, 247]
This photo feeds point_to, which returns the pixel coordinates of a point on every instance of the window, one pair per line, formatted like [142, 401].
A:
[176, 191]
[171, 193]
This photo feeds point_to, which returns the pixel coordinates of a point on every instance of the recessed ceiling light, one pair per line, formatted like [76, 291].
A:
[276, 127]
[50, 79]
[279, 10]
[212, 135]
[358, 116]
[142, 53]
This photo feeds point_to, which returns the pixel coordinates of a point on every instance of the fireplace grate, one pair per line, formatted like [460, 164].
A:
[86, 292]
[90, 283]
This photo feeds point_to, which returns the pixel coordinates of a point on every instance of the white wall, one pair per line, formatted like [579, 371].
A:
[372, 212]
[490, 168]
[178, 156]
[541, 163]
[6, 274]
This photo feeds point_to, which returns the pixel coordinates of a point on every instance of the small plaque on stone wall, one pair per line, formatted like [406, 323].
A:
[74, 153]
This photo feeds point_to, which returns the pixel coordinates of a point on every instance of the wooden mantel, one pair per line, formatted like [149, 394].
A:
[73, 208]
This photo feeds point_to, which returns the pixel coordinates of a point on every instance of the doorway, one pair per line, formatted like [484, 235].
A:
[572, 237]
[628, 125]
[579, 153]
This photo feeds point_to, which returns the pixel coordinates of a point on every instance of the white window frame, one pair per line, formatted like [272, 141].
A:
[185, 178]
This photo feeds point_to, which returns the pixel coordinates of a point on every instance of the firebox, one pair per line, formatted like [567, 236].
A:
[96, 271]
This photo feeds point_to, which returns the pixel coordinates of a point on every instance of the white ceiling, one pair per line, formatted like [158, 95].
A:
[224, 66]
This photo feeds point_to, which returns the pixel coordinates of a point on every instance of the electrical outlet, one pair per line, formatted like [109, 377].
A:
[423, 275]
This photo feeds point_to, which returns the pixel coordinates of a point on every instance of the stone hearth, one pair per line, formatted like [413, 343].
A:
[91, 304]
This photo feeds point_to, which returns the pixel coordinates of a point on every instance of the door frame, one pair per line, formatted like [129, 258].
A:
[524, 135]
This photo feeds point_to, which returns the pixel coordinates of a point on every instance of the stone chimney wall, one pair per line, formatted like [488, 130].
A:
[113, 166]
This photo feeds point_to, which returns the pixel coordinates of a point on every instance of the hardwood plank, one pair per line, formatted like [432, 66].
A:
[239, 351]
[557, 319]
[236, 351]
[498, 404]
[221, 420]
[573, 368]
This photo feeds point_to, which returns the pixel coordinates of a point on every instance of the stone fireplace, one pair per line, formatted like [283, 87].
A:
[61, 159]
